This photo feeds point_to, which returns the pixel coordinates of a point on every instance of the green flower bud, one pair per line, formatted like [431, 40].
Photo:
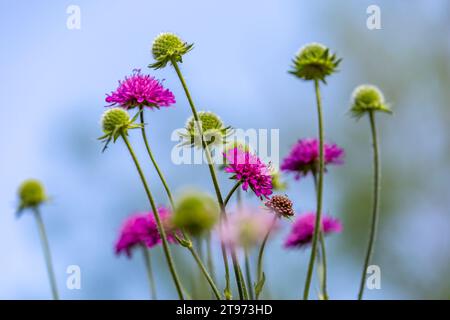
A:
[115, 122]
[196, 213]
[367, 98]
[168, 47]
[31, 193]
[314, 62]
[214, 131]
[114, 118]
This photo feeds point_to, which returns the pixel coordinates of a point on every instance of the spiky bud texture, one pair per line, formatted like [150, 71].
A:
[314, 62]
[168, 47]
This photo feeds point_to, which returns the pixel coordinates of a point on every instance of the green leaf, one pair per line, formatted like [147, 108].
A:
[260, 284]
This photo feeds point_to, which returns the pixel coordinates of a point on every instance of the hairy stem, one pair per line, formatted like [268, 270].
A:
[47, 253]
[323, 259]
[376, 196]
[205, 272]
[148, 267]
[230, 194]
[152, 158]
[317, 226]
[260, 258]
[161, 229]
[169, 194]
[248, 275]
[213, 174]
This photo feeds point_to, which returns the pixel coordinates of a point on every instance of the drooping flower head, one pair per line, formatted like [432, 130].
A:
[168, 47]
[196, 212]
[31, 194]
[140, 90]
[250, 171]
[141, 229]
[247, 227]
[302, 230]
[366, 98]
[314, 62]
[304, 157]
[212, 127]
[280, 205]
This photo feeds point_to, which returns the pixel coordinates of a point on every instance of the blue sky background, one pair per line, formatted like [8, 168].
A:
[53, 84]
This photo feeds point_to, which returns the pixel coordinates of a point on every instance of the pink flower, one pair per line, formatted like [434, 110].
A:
[304, 157]
[247, 227]
[250, 170]
[140, 90]
[303, 229]
[141, 229]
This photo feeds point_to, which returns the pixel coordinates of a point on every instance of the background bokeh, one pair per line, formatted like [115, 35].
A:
[53, 84]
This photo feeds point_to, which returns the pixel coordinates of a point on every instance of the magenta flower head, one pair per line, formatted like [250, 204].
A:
[141, 229]
[304, 157]
[140, 90]
[303, 229]
[247, 227]
[250, 171]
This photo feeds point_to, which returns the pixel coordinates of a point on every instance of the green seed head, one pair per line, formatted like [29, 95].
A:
[367, 98]
[31, 193]
[167, 47]
[196, 213]
[314, 62]
[114, 118]
[213, 129]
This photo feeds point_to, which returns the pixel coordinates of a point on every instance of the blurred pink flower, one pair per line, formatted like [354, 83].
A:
[141, 229]
[139, 90]
[304, 157]
[250, 170]
[247, 227]
[302, 230]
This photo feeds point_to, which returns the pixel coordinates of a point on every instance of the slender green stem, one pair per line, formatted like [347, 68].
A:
[166, 187]
[260, 258]
[323, 259]
[230, 194]
[376, 196]
[205, 272]
[213, 174]
[209, 257]
[161, 229]
[148, 267]
[248, 275]
[47, 253]
[317, 226]
[152, 158]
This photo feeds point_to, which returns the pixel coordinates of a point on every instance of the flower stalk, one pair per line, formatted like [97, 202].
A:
[375, 207]
[161, 229]
[148, 267]
[170, 197]
[317, 225]
[47, 253]
[237, 271]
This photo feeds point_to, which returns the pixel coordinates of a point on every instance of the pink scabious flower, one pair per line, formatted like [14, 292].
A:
[140, 90]
[141, 229]
[303, 229]
[304, 157]
[247, 227]
[250, 170]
